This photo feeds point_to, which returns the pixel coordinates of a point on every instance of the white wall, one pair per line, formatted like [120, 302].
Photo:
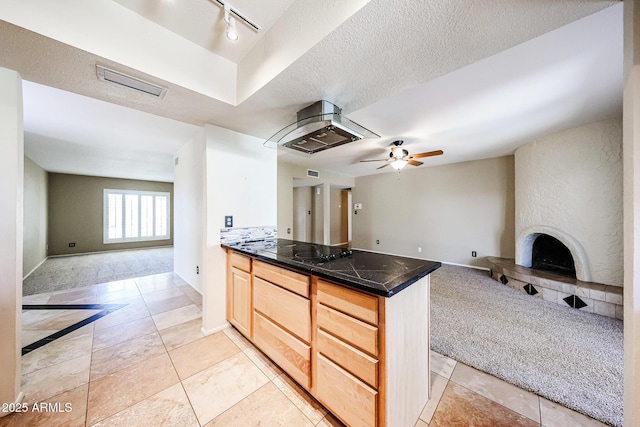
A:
[11, 217]
[449, 211]
[319, 213]
[286, 173]
[188, 208]
[302, 215]
[35, 216]
[240, 180]
[572, 182]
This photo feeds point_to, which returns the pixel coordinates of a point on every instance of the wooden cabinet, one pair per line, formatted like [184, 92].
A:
[364, 357]
[352, 359]
[283, 307]
[282, 319]
[347, 353]
[291, 354]
[353, 331]
[345, 395]
[239, 293]
[356, 304]
[287, 279]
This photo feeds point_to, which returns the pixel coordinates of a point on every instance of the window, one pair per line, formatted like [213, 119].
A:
[136, 216]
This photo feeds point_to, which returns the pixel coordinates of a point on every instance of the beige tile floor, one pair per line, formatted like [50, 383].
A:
[148, 364]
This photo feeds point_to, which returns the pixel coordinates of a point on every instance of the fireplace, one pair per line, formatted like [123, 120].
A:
[526, 239]
[550, 254]
[569, 185]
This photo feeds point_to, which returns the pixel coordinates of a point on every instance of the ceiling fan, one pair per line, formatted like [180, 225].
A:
[399, 157]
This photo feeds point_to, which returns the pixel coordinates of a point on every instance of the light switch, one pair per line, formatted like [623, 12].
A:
[357, 206]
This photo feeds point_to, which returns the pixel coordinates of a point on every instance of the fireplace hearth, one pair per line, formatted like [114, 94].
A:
[550, 254]
[591, 297]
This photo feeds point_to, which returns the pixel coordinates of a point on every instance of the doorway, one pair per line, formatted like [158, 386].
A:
[321, 213]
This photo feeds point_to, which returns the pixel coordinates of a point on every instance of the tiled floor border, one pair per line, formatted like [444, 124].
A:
[106, 309]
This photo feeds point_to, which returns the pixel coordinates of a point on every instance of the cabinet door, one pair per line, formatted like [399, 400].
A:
[240, 301]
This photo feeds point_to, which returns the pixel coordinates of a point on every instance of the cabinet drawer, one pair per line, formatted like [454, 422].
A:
[353, 331]
[354, 402]
[354, 303]
[291, 354]
[240, 262]
[350, 358]
[295, 282]
[289, 310]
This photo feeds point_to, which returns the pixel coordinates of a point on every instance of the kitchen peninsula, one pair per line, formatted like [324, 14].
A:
[350, 326]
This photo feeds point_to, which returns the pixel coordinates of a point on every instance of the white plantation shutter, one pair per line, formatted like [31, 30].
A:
[135, 216]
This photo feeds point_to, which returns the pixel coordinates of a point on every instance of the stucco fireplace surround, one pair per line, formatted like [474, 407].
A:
[569, 187]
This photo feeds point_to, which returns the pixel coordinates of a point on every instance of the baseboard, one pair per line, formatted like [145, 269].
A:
[29, 273]
[214, 330]
[436, 260]
[466, 265]
[16, 405]
[388, 253]
[111, 250]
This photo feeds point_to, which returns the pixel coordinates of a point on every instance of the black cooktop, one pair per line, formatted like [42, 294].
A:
[378, 273]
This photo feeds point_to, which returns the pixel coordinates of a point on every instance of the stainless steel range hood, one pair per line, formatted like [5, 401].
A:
[319, 127]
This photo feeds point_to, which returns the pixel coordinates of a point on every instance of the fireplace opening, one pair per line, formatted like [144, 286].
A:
[550, 254]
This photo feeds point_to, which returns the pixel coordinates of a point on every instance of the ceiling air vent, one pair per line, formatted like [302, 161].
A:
[108, 75]
[313, 174]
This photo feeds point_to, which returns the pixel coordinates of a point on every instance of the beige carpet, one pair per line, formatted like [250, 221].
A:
[568, 356]
[67, 272]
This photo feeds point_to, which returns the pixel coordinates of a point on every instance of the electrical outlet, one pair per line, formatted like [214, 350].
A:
[72, 245]
[419, 248]
[377, 242]
[228, 221]
[197, 270]
[288, 231]
[473, 254]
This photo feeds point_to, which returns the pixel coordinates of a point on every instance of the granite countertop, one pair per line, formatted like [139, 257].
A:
[381, 274]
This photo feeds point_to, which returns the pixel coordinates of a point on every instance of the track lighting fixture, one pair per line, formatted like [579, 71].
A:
[232, 31]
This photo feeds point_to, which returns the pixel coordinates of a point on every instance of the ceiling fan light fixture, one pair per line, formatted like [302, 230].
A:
[398, 164]
[398, 152]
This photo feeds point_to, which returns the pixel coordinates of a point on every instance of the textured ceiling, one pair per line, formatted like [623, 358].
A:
[396, 67]
[565, 78]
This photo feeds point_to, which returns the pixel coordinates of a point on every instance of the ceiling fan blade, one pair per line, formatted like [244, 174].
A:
[428, 154]
[374, 160]
[384, 166]
[414, 162]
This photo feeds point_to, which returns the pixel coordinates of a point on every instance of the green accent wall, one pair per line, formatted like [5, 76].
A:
[76, 210]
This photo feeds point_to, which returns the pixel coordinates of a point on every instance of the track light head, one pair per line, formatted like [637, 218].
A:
[232, 30]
